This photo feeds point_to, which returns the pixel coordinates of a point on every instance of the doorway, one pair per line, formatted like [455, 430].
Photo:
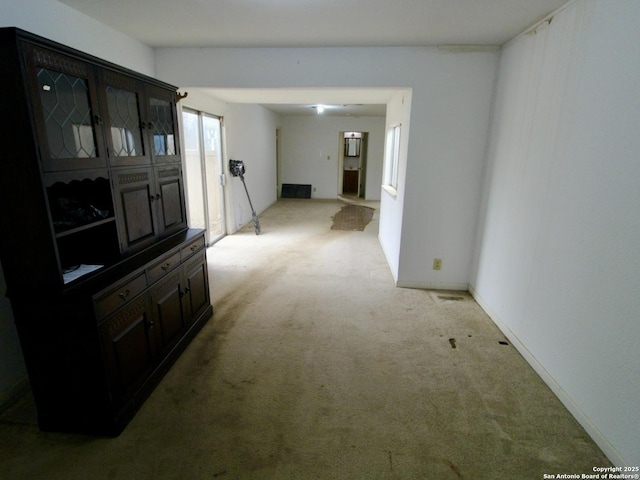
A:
[204, 180]
[353, 164]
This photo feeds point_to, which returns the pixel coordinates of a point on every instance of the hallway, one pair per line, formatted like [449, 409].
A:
[315, 366]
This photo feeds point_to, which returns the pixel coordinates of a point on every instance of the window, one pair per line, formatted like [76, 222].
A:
[392, 157]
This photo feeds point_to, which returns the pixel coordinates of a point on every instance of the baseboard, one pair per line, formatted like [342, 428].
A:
[432, 285]
[581, 417]
[13, 393]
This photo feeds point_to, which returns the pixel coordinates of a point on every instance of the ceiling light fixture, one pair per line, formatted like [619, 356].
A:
[319, 109]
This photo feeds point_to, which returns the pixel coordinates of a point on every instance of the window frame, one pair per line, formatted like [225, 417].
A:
[392, 158]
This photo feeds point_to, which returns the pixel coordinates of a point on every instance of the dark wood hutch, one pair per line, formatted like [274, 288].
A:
[107, 283]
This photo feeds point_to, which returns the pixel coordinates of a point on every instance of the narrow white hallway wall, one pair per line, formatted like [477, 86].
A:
[251, 137]
[392, 201]
[558, 251]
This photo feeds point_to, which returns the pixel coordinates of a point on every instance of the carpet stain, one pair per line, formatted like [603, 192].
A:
[352, 217]
[454, 469]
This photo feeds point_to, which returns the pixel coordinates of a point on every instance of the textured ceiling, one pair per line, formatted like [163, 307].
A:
[317, 23]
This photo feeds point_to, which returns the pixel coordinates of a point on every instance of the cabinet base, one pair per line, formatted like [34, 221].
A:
[112, 426]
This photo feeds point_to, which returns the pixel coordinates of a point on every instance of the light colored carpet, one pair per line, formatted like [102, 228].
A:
[316, 367]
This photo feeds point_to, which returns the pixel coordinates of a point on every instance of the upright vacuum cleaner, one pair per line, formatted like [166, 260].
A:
[237, 170]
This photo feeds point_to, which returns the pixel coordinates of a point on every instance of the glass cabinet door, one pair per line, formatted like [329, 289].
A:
[124, 125]
[163, 125]
[66, 116]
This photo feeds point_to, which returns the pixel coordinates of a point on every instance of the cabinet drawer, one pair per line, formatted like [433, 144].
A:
[192, 248]
[119, 296]
[166, 264]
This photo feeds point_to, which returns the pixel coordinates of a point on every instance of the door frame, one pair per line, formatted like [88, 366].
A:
[362, 162]
[220, 181]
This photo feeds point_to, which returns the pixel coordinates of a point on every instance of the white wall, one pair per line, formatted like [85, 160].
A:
[392, 202]
[449, 125]
[198, 100]
[450, 107]
[58, 22]
[250, 132]
[558, 251]
[310, 152]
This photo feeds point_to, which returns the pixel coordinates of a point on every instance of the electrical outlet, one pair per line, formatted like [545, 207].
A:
[437, 263]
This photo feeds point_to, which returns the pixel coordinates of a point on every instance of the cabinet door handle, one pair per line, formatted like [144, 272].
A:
[97, 119]
[123, 295]
[157, 196]
[150, 323]
[194, 248]
[165, 267]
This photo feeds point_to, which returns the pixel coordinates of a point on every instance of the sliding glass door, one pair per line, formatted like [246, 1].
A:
[214, 176]
[203, 173]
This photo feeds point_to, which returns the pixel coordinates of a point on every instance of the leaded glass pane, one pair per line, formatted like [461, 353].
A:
[124, 119]
[67, 115]
[163, 130]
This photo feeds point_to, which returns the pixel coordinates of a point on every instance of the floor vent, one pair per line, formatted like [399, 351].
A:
[450, 297]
